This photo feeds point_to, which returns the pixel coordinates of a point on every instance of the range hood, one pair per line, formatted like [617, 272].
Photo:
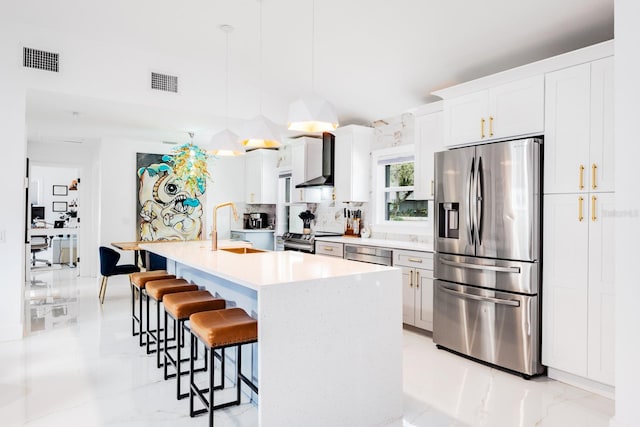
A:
[328, 155]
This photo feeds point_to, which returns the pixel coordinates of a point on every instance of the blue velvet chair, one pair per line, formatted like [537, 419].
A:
[109, 267]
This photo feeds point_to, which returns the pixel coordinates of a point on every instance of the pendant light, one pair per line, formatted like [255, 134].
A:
[260, 132]
[226, 143]
[311, 113]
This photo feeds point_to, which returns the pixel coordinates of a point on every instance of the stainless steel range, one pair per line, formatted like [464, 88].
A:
[304, 242]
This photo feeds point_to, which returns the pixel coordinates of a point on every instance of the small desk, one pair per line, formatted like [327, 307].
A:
[52, 232]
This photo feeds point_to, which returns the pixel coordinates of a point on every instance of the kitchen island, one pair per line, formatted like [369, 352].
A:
[329, 349]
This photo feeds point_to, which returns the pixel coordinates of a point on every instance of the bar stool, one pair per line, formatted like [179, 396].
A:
[156, 290]
[220, 329]
[138, 282]
[179, 306]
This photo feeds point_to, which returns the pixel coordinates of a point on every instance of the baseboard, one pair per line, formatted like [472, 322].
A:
[583, 383]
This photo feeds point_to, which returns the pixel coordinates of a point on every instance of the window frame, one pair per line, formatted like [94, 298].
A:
[379, 191]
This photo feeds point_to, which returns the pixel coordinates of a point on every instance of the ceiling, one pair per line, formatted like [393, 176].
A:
[373, 59]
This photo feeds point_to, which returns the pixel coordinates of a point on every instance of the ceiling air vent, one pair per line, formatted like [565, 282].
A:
[40, 59]
[164, 82]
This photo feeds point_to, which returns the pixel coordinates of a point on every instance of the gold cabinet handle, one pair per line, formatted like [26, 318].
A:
[301, 197]
[432, 188]
[411, 278]
[482, 127]
[415, 260]
[417, 279]
[594, 167]
[593, 208]
[581, 183]
[580, 200]
[328, 248]
[490, 126]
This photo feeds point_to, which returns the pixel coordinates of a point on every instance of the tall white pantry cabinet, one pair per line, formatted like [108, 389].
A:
[579, 194]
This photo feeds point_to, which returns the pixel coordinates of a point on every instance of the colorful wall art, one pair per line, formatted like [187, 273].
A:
[169, 206]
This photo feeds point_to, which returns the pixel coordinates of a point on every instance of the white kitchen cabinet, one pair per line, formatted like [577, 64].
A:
[261, 176]
[417, 287]
[578, 285]
[579, 141]
[306, 164]
[428, 140]
[506, 111]
[334, 249]
[352, 163]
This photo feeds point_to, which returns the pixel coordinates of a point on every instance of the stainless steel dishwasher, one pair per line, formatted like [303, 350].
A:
[368, 254]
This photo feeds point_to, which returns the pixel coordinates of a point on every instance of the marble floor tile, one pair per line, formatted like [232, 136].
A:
[79, 366]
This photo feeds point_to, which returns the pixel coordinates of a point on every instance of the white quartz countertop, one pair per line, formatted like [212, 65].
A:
[257, 270]
[381, 243]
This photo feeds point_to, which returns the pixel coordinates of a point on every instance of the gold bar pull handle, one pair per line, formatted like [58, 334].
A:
[593, 208]
[581, 183]
[411, 278]
[594, 168]
[580, 201]
[482, 127]
[417, 279]
[490, 126]
[433, 187]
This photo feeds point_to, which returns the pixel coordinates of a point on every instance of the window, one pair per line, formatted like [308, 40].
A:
[394, 200]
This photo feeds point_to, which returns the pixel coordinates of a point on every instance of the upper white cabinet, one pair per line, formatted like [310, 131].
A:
[351, 164]
[504, 111]
[579, 141]
[428, 140]
[261, 176]
[306, 164]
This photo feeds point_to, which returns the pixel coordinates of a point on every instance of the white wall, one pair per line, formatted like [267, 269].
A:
[627, 106]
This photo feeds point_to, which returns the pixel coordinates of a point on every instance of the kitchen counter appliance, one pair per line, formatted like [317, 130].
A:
[304, 242]
[487, 292]
[256, 220]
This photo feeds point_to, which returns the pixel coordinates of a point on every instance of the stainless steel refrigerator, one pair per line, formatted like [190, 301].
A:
[488, 253]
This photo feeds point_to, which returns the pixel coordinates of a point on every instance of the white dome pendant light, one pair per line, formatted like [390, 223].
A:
[226, 143]
[260, 132]
[311, 113]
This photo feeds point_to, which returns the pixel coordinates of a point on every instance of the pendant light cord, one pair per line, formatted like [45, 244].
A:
[260, 59]
[313, 46]
[226, 82]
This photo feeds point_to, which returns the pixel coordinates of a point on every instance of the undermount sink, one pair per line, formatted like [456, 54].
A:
[242, 250]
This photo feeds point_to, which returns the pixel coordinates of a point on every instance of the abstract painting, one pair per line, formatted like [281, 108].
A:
[168, 208]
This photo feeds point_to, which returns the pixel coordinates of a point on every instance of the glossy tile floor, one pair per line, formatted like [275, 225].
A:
[80, 367]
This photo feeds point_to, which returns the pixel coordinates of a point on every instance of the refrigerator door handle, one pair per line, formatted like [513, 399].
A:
[509, 302]
[479, 201]
[515, 270]
[471, 211]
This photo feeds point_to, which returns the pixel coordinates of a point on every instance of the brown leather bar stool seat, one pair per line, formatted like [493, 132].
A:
[156, 290]
[138, 281]
[179, 306]
[220, 329]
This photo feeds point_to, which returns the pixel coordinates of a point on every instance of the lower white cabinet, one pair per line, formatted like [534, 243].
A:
[417, 287]
[261, 239]
[330, 249]
[578, 327]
